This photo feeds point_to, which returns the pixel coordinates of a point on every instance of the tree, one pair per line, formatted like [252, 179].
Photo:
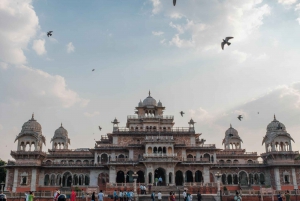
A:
[2, 171]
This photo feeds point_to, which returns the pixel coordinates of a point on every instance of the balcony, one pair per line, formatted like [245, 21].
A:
[205, 146]
[236, 153]
[159, 138]
[135, 117]
[160, 155]
[179, 130]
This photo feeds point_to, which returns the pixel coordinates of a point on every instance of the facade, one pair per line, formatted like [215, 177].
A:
[152, 147]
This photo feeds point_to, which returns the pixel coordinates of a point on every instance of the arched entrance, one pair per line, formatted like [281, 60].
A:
[243, 178]
[104, 158]
[129, 178]
[160, 172]
[141, 177]
[189, 176]
[103, 178]
[198, 176]
[67, 179]
[150, 178]
[179, 178]
[120, 177]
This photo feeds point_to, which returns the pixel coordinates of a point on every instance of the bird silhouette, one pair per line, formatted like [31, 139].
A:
[93, 70]
[226, 42]
[240, 117]
[257, 112]
[49, 33]
[182, 113]
[100, 128]
[174, 2]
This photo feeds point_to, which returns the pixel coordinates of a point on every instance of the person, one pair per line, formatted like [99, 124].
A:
[54, 196]
[159, 196]
[237, 197]
[131, 195]
[100, 196]
[199, 196]
[93, 197]
[145, 190]
[73, 195]
[283, 197]
[115, 196]
[160, 181]
[188, 197]
[173, 196]
[184, 195]
[31, 196]
[57, 195]
[153, 195]
[279, 196]
[191, 197]
[156, 181]
[4, 196]
[27, 196]
[288, 196]
[121, 195]
[124, 196]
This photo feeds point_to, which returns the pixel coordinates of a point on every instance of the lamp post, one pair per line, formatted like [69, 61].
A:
[135, 176]
[218, 176]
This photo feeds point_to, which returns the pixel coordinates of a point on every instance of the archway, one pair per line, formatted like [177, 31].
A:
[155, 150]
[104, 158]
[198, 176]
[149, 150]
[141, 177]
[188, 176]
[160, 172]
[169, 150]
[243, 178]
[179, 178]
[67, 179]
[150, 178]
[206, 157]
[103, 178]
[229, 179]
[223, 179]
[129, 178]
[120, 177]
[170, 177]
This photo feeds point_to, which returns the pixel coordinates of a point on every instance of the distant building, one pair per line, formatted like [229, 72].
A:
[152, 147]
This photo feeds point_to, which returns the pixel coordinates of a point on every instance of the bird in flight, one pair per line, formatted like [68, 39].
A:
[226, 42]
[100, 128]
[93, 70]
[174, 2]
[182, 113]
[49, 33]
[240, 117]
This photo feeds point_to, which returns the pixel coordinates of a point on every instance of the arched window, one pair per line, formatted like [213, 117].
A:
[46, 180]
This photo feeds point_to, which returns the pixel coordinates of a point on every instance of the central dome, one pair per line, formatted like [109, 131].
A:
[149, 101]
[31, 126]
[231, 132]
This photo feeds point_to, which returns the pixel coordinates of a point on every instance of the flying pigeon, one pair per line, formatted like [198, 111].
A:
[174, 2]
[240, 117]
[100, 128]
[225, 42]
[182, 113]
[49, 33]
[257, 112]
[93, 70]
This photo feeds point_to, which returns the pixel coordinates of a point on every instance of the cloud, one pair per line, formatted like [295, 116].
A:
[287, 2]
[157, 33]
[3, 65]
[25, 85]
[157, 6]
[18, 28]
[70, 47]
[240, 56]
[176, 16]
[1, 127]
[39, 46]
[87, 114]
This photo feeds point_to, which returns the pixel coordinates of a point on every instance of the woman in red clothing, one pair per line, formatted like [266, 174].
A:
[73, 195]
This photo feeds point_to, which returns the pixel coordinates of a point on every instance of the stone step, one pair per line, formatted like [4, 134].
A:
[165, 197]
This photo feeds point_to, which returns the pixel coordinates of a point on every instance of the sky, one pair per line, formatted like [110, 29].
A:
[141, 45]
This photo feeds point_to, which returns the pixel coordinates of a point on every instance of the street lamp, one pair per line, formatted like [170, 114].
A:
[135, 176]
[218, 176]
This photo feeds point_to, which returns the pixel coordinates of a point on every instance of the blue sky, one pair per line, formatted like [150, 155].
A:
[135, 46]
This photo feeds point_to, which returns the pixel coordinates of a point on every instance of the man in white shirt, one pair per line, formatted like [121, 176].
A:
[55, 193]
[100, 196]
[159, 196]
[121, 196]
[184, 195]
[27, 196]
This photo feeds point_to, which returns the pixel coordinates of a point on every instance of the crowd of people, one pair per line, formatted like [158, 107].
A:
[284, 196]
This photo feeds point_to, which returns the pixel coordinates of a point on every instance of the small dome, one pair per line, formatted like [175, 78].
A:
[31, 126]
[140, 104]
[61, 131]
[231, 132]
[159, 104]
[275, 125]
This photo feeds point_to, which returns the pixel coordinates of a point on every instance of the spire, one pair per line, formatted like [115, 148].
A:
[230, 126]
[61, 124]
[149, 93]
[274, 117]
[32, 118]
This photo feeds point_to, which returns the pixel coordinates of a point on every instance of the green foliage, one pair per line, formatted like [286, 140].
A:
[2, 171]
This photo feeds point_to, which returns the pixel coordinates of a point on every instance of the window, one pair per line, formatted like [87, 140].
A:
[24, 180]
[286, 179]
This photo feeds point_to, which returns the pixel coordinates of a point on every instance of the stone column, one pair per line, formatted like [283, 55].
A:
[33, 180]
[6, 179]
[290, 146]
[95, 158]
[277, 179]
[294, 178]
[206, 174]
[15, 184]
[112, 174]
[215, 158]
[273, 146]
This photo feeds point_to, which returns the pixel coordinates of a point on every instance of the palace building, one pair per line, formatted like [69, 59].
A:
[152, 147]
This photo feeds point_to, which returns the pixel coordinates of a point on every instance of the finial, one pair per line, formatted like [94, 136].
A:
[274, 117]
[61, 124]
[149, 93]
[32, 118]
[230, 126]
